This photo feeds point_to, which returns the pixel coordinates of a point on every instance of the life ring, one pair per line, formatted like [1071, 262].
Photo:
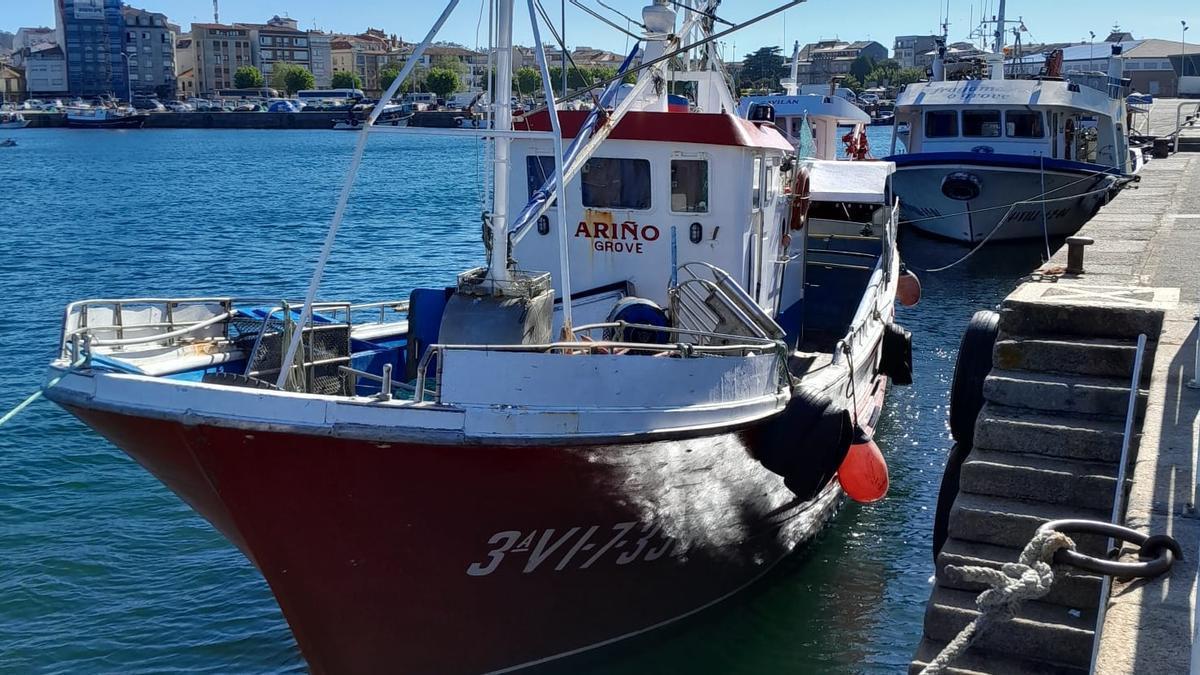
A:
[801, 198]
[970, 370]
[806, 443]
[895, 359]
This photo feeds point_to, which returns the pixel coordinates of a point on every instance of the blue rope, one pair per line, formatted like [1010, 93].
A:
[37, 394]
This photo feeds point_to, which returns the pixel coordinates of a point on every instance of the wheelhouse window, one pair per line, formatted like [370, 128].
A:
[981, 123]
[941, 124]
[611, 183]
[689, 186]
[1024, 124]
[538, 168]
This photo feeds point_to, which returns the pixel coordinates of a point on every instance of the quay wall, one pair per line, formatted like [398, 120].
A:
[1047, 444]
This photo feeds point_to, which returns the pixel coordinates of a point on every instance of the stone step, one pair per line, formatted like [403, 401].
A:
[1072, 588]
[1012, 522]
[976, 661]
[1009, 429]
[1039, 478]
[1057, 392]
[1055, 634]
[1122, 313]
[1100, 357]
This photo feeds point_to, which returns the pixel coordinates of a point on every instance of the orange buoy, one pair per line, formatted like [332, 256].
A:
[864, 473]
[908, 289]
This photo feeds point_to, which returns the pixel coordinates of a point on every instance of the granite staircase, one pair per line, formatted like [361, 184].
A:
[1047, 446]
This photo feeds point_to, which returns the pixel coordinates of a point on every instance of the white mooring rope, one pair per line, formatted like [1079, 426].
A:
[1013, 583]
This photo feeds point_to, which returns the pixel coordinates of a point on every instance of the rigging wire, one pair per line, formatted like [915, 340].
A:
[681, 50]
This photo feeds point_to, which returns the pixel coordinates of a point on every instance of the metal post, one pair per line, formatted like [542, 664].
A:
[1118, 509]
[1182, 56]
[128, 79]
[1194, 383]
[385, 391]
[502, 104]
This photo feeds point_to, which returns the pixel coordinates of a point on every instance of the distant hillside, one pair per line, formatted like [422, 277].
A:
[6, 41]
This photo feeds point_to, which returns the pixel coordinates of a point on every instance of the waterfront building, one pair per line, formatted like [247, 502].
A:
[150, 49]
[46, 72]
[365, 55]
[471, 65]
[28, 38]
[12, 83]
[279, 40]
[320, 46]
[185, 66]
[589, 57]
[821, 61]
[219, 50]
[91, 34]
[913, 51]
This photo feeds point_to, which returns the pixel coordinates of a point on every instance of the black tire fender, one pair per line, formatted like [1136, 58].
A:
[805, 443]
[970, 369]
[895, 359]
[947, 492]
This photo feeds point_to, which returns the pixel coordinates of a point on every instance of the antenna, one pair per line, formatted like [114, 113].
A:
[216, 13]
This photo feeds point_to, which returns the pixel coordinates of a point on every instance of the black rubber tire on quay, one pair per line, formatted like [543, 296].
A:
[946, 495]
[972, 367]
[237, 380]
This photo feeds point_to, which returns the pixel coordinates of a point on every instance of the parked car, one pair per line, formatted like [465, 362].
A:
[869, 99]
[178, 106]
[149, 104]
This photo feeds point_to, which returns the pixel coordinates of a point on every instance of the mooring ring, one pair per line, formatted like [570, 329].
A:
[1159, 551]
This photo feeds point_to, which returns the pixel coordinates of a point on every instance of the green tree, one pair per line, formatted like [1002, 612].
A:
[387, 75]
[344, 79]
[762, 69]
[862, 67]
[248, 77]
[908, 76]
[852, 83]
[442, 82]
[528, 80]
[451, 63]
[291, 78]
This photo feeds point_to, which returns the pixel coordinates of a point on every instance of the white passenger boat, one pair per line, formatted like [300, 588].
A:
[1001, 158]
[658, 386]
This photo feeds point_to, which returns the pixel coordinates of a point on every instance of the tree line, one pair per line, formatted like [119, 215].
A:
[763, 70]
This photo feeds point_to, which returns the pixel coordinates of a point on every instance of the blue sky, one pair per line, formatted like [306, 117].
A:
[1051, 21]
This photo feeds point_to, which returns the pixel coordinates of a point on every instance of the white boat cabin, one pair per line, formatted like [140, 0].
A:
[664, 190]
[1054, 119]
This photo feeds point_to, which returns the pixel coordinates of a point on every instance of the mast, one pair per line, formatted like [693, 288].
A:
[792, 86]
[502, 105]
[998, 48]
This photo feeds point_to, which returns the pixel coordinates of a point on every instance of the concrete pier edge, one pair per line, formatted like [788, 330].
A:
[1047, 440]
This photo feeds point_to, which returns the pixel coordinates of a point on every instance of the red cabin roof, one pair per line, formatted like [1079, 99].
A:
[666, 127]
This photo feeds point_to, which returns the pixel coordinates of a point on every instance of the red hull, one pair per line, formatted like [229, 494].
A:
[403, 557]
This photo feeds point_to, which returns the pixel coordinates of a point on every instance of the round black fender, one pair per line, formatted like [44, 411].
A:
[972, 367]
[946, 494]
[806, 443]
[895, 358]
[237, 380]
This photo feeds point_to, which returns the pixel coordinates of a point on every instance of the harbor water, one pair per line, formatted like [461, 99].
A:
[102, 569]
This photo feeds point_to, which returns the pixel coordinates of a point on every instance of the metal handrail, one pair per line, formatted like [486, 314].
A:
[1180, 125]
[159, 336]
[1118, 509]
[669, 329]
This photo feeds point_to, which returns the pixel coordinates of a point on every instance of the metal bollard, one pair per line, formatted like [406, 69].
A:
[1075, 247]
[385, 391]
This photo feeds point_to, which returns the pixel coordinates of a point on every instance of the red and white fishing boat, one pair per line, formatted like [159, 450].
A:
[653, 392]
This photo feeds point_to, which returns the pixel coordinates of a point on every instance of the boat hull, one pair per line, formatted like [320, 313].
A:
[392, 557]
[985, 188]
[130, 122]
[14, 125]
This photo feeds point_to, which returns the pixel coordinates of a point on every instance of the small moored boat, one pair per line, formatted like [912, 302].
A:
[10, 120]
[99, 117]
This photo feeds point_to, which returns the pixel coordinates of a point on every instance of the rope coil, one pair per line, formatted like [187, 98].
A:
[1010, 585]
